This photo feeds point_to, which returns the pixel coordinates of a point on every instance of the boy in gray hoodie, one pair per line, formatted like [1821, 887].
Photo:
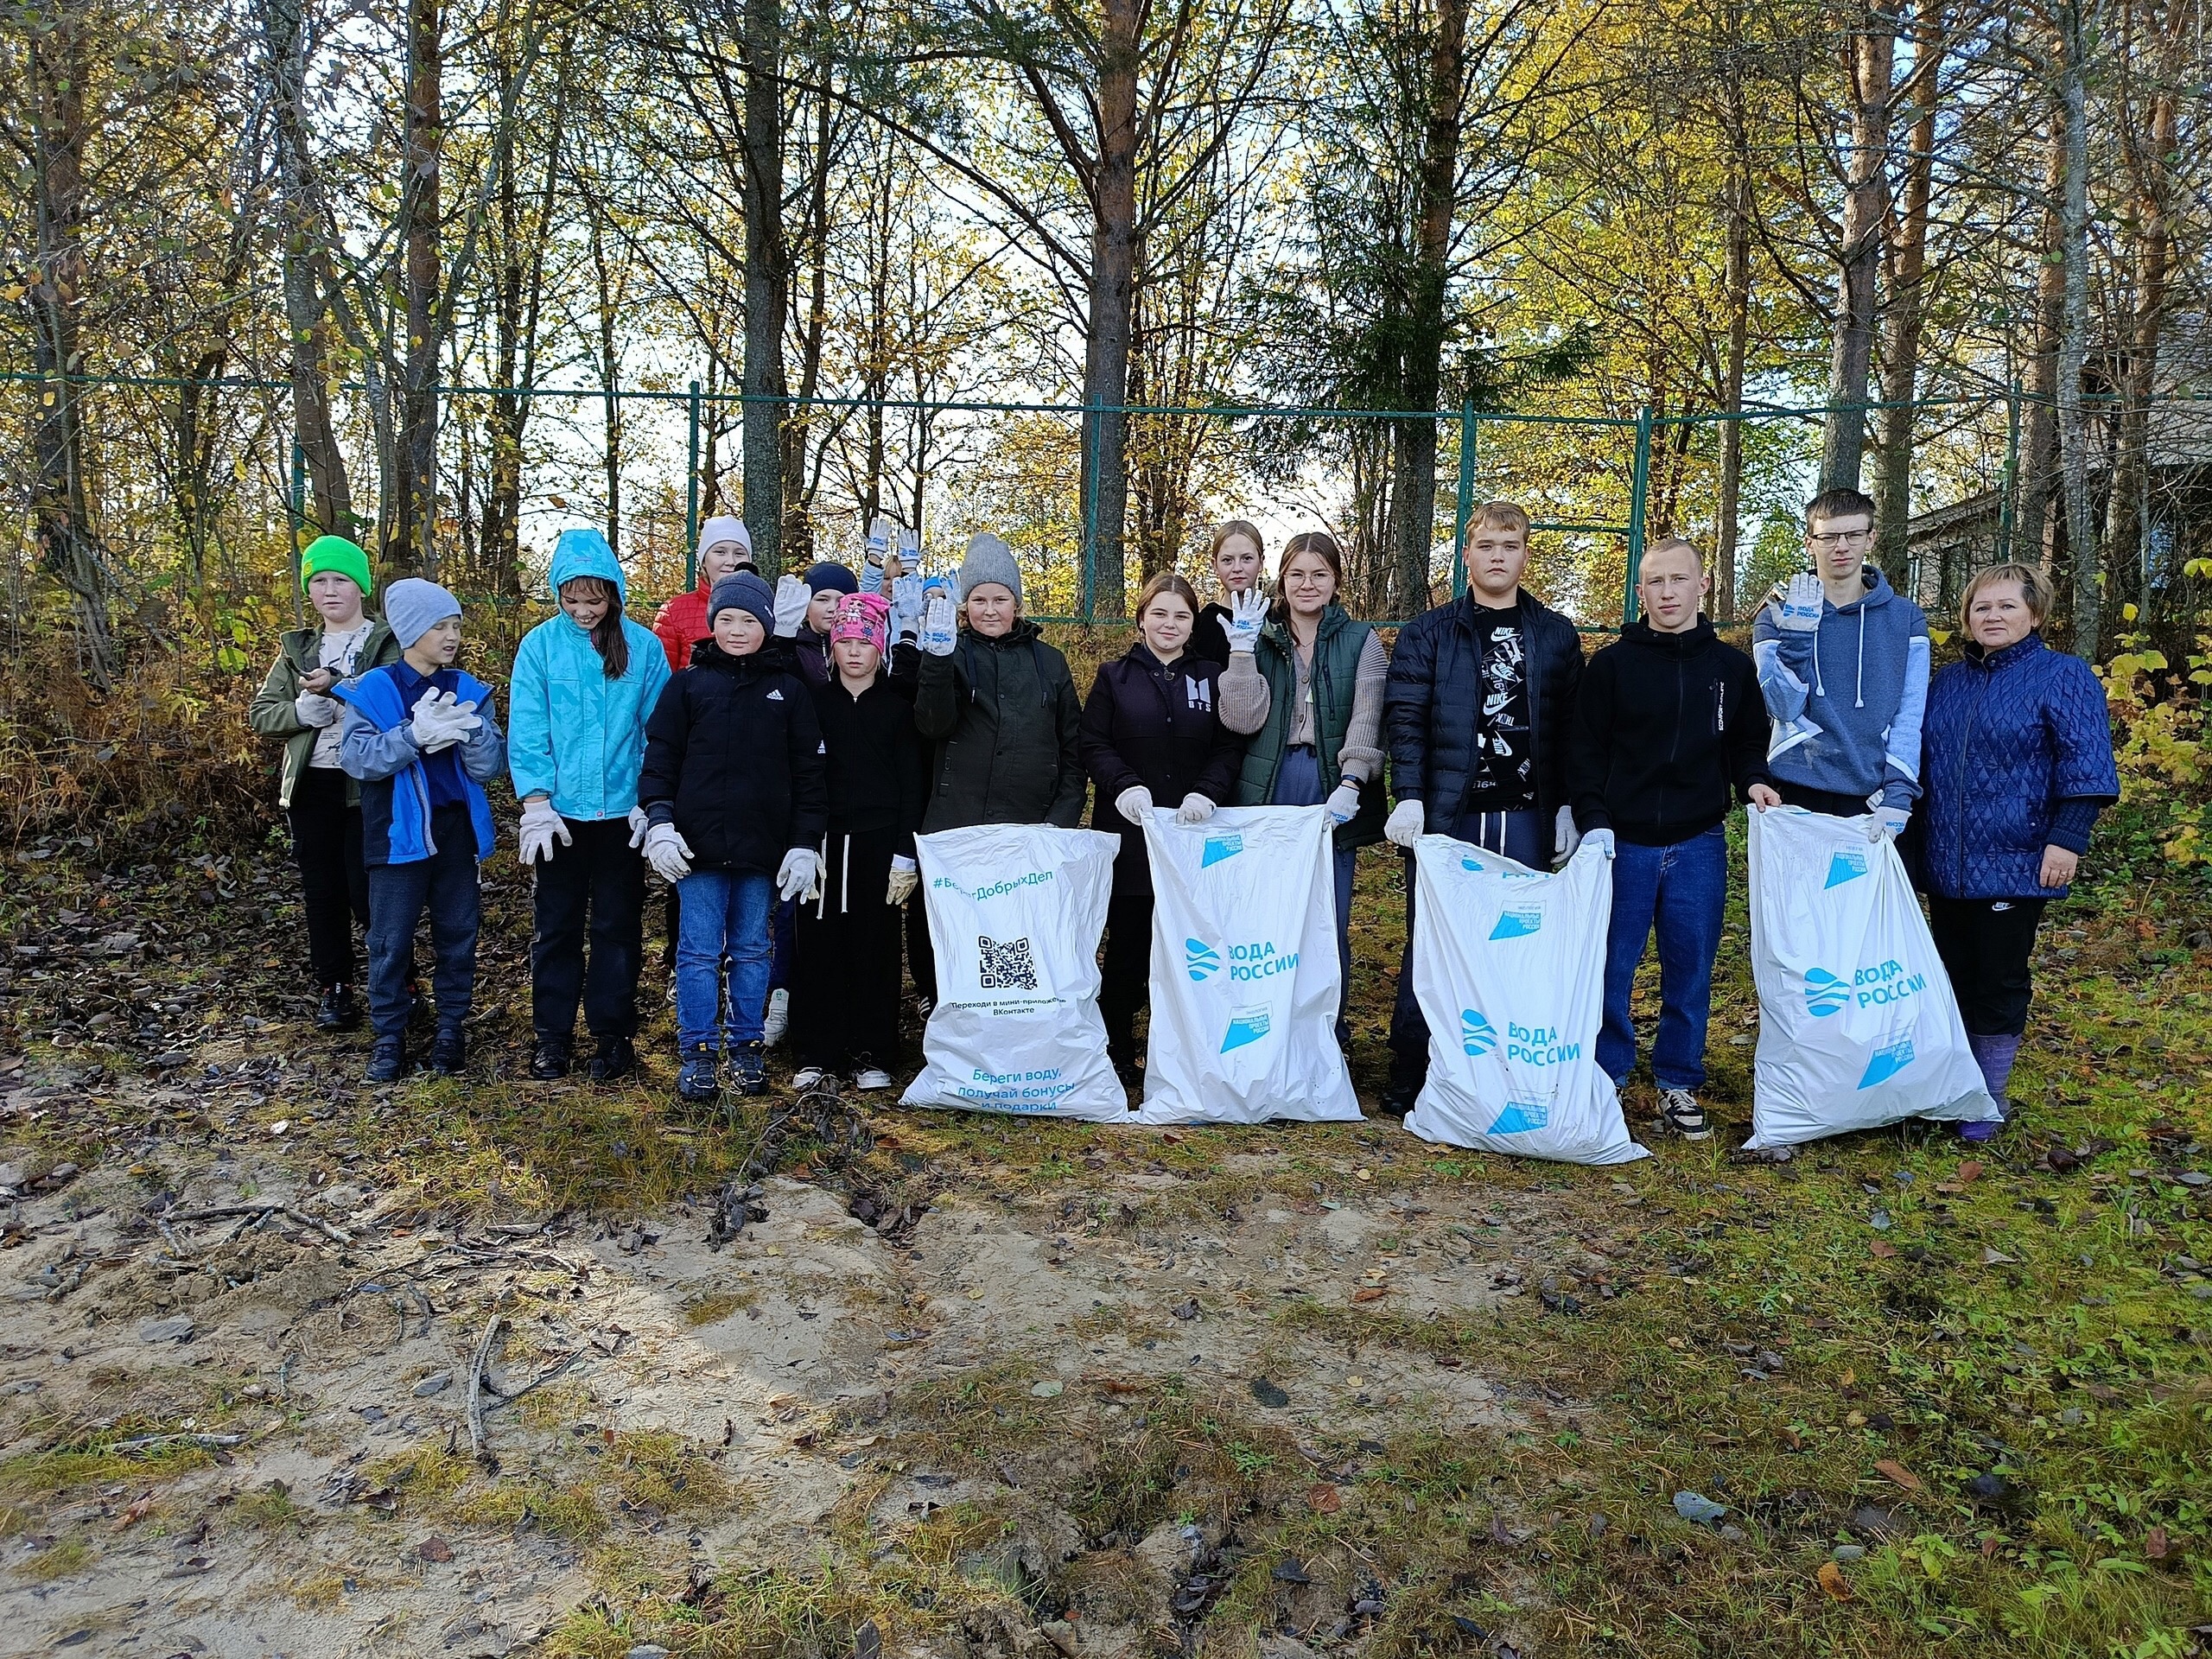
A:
[1842, 660]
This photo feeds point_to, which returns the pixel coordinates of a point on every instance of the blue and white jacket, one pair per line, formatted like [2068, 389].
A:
[378, 748]
[1847, 698]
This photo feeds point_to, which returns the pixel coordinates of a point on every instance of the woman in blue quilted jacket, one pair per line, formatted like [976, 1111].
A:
[2016, 761]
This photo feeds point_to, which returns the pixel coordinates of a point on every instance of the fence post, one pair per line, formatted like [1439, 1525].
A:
[2009, 491]
[691, 499]
[1468, 426]
[299, 516]
[1092, 418]
[1639, 489]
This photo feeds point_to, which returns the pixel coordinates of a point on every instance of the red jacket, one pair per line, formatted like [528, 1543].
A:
[682, 623]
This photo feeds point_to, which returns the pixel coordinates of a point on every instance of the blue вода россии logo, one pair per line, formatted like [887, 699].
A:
[1203, 961]
[1476, 1033]
[1846, 864]
[1518, 922]
[1519, 1116]
[1824, 994]
[1220, 846]
[1245, 1026]
[1889, 1058]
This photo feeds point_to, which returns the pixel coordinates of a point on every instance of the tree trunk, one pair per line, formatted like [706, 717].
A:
[1872, 51]
[767, 282]
[58, 59]
[610, 286]
[2039, 459]
[1908, 308]
[306, 312]
[2074, 335]
[1414, 450]
[422, 144]
[1112, 295]
[1736, 286]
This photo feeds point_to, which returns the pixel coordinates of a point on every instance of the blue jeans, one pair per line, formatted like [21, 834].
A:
[445, 885]
[1298, 783]
[1683, 889]
[724, 912]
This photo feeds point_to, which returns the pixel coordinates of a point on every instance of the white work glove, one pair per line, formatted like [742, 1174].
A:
[792, 597]
[879, 532]
[439, 721]
[904, 879]
[910, 552]
[541, 826]
[1602, 840]
[799, 873]
[1196, 809]
[668, 853]
[313, 708]
[1800, 604]
[906, 602]
[1343, 802]
[639, 824]
[937, 625]
[1134, 803]
[1247, 613]
[1404, 824]
[1565, 836]
[1887, 821]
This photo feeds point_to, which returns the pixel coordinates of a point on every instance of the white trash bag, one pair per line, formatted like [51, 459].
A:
[1509, 970]
[1015, 913]
[1858, 1025]
[1244, 973]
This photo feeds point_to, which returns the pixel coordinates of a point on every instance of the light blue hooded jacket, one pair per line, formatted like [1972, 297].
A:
[1847, 698]
[572, 733]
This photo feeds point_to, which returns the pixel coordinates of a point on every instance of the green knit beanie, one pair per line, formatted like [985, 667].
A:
[336, 553]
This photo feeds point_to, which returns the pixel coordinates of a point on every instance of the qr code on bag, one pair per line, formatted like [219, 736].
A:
[1008, 966]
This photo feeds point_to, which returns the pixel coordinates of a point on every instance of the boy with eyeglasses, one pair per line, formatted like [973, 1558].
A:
[1842, 660]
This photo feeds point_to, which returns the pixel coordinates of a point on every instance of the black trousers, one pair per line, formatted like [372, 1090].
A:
[1125, 975]
[921, 954]
[333, 884]
[1984, 944]
[592, 891]
[1826, 801]
[845, 958]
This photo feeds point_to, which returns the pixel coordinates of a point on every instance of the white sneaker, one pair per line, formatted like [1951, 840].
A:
[809, 1078]
[1680, 1112]
[777, 1019]
[873, 1077]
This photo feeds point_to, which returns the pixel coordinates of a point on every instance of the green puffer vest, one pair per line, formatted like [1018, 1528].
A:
[1337, 645]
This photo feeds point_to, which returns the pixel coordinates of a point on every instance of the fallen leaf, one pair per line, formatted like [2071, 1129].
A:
[141, 1508]
[1898, 1472]
[2156, 1544]
[435, 1549]
[1992, 1257]
[1323, 1499]
[1971, 1169]
[1371, 1294]
[1878, 1247]
[1833, 1581]
[1112, 1384]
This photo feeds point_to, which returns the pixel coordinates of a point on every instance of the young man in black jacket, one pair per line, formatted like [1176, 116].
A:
[1670, 728]
[1475, 712]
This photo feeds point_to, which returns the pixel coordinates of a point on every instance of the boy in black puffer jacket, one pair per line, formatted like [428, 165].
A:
[733, 795]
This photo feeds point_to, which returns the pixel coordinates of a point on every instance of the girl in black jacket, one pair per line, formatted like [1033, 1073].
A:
[734, 805]
[1155, 729]
[845, 950]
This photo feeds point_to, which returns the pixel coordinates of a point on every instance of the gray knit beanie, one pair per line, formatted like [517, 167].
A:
[413, 606]
[741, 590]
[989, 559]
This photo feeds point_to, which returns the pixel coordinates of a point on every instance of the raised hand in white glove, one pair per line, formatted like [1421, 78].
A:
[792, 597]
[1196, 809]
[910, 552]
[1404, 824]
[1887, 821]
[1343, 802]
[904, 879]
[1565, 836]
[1600, 841]
[541, 826]
[799, 873]
[1248, 611]
[937, 625]
[668, 853]
[639, 824]
[1134, 803]
[1800, 604]
[873, 551]
[313, 708]
[906, 602]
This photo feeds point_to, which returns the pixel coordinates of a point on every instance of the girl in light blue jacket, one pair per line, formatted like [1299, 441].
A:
[585, 682]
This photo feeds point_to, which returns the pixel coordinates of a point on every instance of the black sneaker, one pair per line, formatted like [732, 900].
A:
[615, 1056]
[748, 1068]
[695, 1083]
[1680, 1113]
[1398, 1099]
[548, 1060]
[337, 1011]
[388, 1060]
[449, 1054]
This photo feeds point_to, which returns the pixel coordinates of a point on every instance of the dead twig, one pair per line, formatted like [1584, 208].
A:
[260, 1212]
[476, 1383]
[539, 1382]
[147, 1442]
